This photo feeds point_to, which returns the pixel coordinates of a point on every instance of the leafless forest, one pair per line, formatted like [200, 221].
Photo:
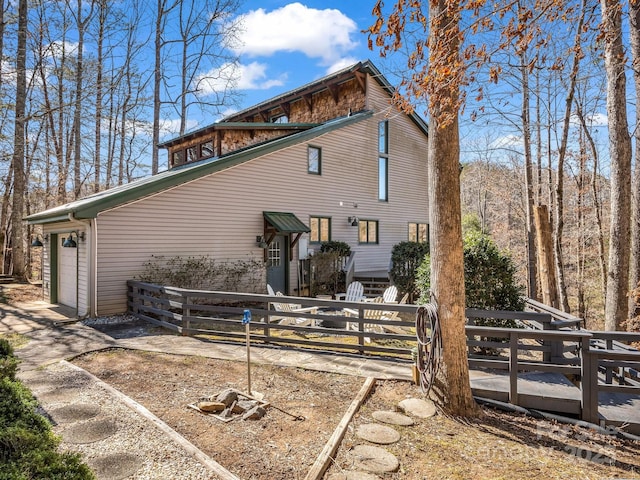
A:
[549, 124]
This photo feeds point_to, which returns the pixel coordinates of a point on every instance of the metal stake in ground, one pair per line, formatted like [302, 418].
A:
[246, 320]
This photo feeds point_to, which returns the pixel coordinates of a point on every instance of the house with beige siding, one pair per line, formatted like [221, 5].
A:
[331, 160]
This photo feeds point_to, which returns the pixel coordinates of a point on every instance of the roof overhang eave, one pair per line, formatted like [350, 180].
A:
[43, 219]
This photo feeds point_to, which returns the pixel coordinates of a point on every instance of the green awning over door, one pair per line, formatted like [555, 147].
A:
[285, 222]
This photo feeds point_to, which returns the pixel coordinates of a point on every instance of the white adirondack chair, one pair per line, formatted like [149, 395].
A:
[390, 294]
[369, 314]
[292, 308]
[354, 293]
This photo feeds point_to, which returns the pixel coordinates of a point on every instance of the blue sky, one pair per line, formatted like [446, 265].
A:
[287, 44]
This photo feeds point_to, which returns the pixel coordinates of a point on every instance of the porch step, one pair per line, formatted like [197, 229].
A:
[373, 286]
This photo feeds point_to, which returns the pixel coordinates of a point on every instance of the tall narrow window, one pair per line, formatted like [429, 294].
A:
[314, 158]
[368, 231]
[383, 179]
[320, 229]
[383, 161]
[383, 137]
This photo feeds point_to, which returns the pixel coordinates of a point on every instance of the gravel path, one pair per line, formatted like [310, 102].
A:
[133, 447]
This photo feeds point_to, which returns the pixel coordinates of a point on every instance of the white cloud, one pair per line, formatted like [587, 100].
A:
[507, 141]
[595, 120]
[56, 49]
[242, 77]
[340, 64]
[172, 127]
[323, 34]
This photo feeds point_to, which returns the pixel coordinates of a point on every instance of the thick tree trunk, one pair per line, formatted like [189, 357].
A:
[634, 16]
[616, 303]
[532, 284]
[447, 269]
[17, 162]
[548, 283]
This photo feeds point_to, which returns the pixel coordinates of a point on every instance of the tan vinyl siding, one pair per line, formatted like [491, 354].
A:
[221, 214]
[63, 229]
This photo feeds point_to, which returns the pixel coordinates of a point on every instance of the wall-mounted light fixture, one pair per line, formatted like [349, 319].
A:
[37, 243]
[69, 242]
[353, 221]
[261, 242]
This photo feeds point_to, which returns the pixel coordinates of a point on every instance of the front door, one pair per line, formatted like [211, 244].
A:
[277, 260]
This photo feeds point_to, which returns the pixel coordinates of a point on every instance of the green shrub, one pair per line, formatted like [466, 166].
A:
[6, 350]
[341, 248]
[28, 447]
[406, 257]
[8, 363]
[489, 279]
[205, 273]
[327, 277]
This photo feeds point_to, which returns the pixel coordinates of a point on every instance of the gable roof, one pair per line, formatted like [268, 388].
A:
[324, 83]
[89, 207]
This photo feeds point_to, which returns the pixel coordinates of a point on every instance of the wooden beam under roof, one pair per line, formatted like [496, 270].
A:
[286, 108]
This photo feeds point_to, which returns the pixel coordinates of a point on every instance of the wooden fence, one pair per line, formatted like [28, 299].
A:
[597, 361]
[219, 314]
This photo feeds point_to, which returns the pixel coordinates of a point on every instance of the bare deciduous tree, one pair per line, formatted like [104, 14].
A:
[616, 302]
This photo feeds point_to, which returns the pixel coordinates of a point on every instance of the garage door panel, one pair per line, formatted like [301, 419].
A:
[67, 275]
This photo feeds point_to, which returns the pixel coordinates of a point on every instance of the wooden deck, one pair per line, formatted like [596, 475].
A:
[553, 392]
[539, 390]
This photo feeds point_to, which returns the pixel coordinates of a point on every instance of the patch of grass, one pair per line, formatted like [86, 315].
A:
[16, 340]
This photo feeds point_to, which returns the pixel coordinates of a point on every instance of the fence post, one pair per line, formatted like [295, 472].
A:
[513, 368]
[266, 320]
[186, 314]
[609, 370]
[589, 382]
[361, 329]
[134, 294]
[556, 348]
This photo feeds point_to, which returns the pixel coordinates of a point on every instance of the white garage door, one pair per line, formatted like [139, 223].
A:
[67, 273]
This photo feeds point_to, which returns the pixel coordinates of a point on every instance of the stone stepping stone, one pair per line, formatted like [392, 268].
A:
[59, 395]
[374, 459]
[353, 476]
[75, 412]
[392, 418]
[376, 433]
[115, 466]
[91, 431]
[417, 407]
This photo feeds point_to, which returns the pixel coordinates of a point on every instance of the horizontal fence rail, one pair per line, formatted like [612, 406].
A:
[547, 342]
[219, 314]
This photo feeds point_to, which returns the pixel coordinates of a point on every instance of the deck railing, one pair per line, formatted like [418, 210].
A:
[595, 361]
[219, 314]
